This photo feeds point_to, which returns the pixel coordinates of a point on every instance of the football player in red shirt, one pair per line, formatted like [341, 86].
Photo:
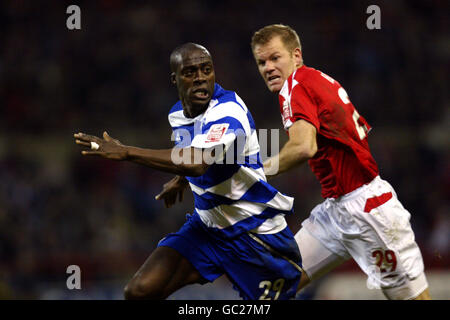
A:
[361, 217]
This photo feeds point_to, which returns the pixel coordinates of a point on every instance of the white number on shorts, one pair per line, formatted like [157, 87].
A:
[277, 287]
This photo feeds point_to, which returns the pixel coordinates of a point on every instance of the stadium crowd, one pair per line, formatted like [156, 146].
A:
[58, 208]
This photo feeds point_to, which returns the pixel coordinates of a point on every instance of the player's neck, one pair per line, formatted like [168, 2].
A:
[192, 111]
[297, 67]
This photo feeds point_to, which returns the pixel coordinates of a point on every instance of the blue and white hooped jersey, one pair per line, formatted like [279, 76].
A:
[233, 196]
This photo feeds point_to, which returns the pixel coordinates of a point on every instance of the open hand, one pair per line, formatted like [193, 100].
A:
[107, 147]
[172, 190]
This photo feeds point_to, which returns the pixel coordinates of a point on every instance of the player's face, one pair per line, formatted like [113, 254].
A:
[276, 63]
[195, 79]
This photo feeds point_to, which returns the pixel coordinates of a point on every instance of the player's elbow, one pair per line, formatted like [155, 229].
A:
[311, 151]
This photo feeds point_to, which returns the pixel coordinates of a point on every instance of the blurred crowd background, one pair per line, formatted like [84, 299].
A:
[58, 208]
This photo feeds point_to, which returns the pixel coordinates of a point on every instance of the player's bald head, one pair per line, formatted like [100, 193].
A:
[186, 51]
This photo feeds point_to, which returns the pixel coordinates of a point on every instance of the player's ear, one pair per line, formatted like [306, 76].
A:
[173, 79]
[298, 57]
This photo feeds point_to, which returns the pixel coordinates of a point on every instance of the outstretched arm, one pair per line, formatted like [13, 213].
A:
[186, 162]
[301, 146]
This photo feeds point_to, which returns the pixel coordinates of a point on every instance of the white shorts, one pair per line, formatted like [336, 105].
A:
[371, 226]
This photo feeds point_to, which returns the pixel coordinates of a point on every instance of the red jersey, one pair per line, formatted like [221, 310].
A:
[343, 161]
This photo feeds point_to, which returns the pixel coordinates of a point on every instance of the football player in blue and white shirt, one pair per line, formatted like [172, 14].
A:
[238, 226]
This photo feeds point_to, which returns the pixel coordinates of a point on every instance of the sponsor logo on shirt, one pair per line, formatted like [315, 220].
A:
[216, 132]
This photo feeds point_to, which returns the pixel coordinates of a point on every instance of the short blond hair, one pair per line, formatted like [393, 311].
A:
[287, 35]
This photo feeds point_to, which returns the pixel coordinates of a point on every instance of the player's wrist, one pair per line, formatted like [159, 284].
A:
[129, 152]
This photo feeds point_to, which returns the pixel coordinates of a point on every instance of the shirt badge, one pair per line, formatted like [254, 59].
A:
[216, 132]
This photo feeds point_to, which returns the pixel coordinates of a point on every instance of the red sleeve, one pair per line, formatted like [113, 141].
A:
[303, 107]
